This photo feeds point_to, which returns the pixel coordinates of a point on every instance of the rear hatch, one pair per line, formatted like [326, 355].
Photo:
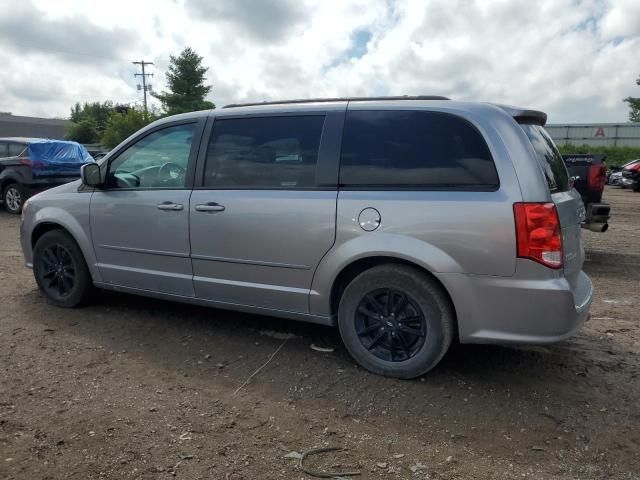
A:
[567, 200]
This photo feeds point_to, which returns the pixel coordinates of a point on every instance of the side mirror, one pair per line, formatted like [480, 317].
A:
[90, 175]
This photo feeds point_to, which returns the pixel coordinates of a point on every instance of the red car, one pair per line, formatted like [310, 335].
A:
[631, 175]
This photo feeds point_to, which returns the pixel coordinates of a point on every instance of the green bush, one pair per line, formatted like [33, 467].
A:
[122, 125]
[616, 156]
[85, 131]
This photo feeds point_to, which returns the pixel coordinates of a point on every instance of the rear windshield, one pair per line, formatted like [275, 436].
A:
[549, 158]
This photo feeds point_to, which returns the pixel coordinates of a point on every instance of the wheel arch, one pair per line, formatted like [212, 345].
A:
[7, 177]
[356, 267]
[61, 220]
[44, 227]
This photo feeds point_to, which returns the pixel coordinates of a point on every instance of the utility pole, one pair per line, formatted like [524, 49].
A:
[144, 87]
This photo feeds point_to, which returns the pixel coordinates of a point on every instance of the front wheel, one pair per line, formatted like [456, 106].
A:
[60, 270]
[396, 321]
[13, 198]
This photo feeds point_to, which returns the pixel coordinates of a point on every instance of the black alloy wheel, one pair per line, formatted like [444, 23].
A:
[58, 271]
[396, 320]
[390, 325]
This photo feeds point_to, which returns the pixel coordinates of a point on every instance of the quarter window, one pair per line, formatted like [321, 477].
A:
[414, 149]
[549, 158]
[263, 152]
[158, 160]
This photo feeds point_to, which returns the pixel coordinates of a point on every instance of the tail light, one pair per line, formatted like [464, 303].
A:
[597, 177]
[538, 233]
[30, 163]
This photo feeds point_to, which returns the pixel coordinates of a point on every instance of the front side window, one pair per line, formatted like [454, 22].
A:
[158, 160]
[414, 149]
[4, 149]
[263, 152]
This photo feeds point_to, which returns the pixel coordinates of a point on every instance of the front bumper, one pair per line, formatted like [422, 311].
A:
[25, 239]
[511, 310]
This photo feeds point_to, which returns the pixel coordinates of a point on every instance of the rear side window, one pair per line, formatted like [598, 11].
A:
[4, 150]
[264, 152]
[414, 149]
[555, 171]
[16, 149]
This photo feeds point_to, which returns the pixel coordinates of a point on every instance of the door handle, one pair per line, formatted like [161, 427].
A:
[209, 207]
[170, 206]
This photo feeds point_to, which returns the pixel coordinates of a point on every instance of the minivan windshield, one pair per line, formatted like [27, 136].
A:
[549, 157]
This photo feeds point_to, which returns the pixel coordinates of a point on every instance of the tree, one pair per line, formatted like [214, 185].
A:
[634, 105]
[122, 125]
[96, 111]
[186, 82]
[85, 131]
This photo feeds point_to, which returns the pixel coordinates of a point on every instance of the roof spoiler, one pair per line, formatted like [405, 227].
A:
[524, 115]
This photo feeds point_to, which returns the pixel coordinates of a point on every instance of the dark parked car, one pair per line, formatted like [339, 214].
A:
[31, 165]
[589, 173]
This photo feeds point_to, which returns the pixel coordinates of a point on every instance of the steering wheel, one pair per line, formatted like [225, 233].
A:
[170, 171]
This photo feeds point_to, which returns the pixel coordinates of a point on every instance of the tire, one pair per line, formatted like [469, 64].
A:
[392, 346]
[13, 198]
[60, 270]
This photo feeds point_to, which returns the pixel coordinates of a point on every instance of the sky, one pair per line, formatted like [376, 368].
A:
[574, 59]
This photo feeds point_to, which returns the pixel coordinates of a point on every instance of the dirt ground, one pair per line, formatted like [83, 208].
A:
[132, 388]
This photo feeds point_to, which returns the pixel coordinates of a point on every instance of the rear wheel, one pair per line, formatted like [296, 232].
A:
[396, 321]
[13, 198]
[60, 270]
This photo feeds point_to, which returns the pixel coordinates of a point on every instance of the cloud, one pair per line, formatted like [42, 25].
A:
[26, 29]
[570, 58]
[623, 19]
[265, 20]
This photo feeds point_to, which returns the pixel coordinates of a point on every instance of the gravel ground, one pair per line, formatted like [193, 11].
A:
[133, 388]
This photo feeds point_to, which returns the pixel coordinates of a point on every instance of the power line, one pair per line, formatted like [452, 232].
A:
[144, 87]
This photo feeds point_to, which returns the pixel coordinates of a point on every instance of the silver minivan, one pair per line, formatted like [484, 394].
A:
[407, 222]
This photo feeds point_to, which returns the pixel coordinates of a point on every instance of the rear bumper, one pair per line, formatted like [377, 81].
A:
[516, 311]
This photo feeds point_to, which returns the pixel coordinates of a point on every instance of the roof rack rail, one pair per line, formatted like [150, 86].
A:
[338, 99]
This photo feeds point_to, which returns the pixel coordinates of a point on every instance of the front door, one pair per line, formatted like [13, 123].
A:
[140, 220]
[260, 223]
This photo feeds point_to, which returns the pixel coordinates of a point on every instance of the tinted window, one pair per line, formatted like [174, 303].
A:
[411, 148]
[264, 152]
[16, 149]
[4, 152]
[158, 160]
[555, 171]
